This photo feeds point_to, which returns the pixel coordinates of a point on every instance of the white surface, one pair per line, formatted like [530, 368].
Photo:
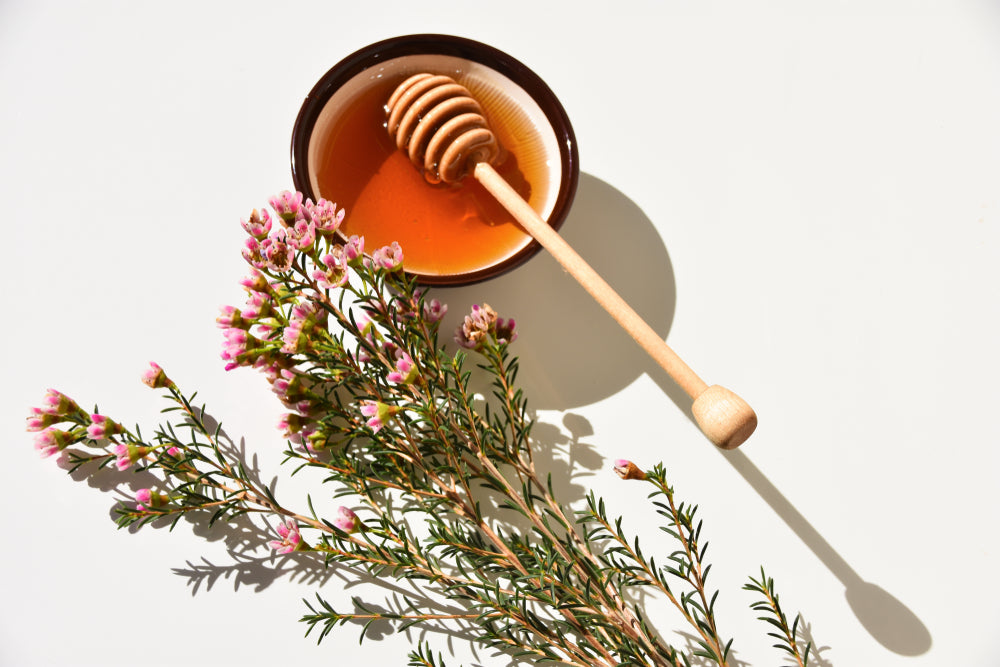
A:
[804, 200]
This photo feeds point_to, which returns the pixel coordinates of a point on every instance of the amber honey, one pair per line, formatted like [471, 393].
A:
[443, 229]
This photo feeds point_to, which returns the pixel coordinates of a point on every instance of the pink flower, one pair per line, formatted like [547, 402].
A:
[326, 217]
[259, 305]
[271, 371]
[482, 325]
[304, 319]
[329, 279]
[258, 225]
[147, 499]
[365, 324]
[255, 282]
[278, 253]
[239, 348]
[103, 427]
[406, 370]
[38, 420]
[504, 332]
[288, 385]
[294, 337]
[230, 317]
[378, 414]
[290, 540]
[309, 311]
[354, 250]
[267, 331]
[253, 253]
[292, 423]
[129, 454]
[287, 205]
[335, 259]
[58, 404]
[155, 377]
[476, 327]
[301, 235]
[434, 310]
[335, 274]
[628, 470]
[52, 440]
[346, 520]
[388, 258]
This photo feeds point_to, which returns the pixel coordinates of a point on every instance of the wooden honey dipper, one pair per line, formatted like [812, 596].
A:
[442, 128]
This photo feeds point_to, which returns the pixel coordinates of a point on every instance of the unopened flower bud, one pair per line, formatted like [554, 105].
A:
[53, 440]
[155, 378]
[103, 427]
[378, 414]
[347, 520]
[57, 403]
[38, 420]
[129, 454]
[255, 282]
[406, 370]
[148, 499]
[628, 470]
[291, 423]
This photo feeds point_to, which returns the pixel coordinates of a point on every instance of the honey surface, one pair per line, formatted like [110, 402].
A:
[443, 229]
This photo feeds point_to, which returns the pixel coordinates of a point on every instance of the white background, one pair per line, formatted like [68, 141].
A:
[802, 197]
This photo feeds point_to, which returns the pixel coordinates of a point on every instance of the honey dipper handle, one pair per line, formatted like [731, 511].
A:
[722, 415]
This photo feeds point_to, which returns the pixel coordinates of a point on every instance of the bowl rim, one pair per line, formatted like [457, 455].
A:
[460, 47]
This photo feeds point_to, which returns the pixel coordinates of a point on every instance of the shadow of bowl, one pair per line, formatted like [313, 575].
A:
[573, 353]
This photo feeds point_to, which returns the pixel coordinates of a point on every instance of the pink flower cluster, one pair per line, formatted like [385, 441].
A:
[481, 326]
[56, 408]
[302, 222]
[256, 335]
[305, 318]
[241, 347]
[333, 271]
[409, 308]
[268, 352]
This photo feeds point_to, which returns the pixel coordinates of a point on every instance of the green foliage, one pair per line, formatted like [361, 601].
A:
[786, 635]
[432, 469]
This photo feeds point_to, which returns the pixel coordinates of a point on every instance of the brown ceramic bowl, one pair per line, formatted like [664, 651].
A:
[354, 88]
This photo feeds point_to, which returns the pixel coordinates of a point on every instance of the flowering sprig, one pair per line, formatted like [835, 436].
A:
[350, 347]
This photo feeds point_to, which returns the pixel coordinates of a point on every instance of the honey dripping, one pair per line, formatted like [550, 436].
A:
[443, 229]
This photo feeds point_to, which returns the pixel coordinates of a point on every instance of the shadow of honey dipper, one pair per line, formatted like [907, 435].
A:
[443, 129]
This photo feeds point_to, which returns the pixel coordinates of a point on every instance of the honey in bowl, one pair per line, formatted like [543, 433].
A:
[444, 230]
